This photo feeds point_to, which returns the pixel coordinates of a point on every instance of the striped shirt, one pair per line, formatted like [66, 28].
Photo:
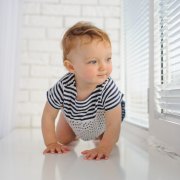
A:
[87, 117]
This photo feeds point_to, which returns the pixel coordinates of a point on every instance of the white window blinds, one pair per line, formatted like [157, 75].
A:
[167, 60]
[135, 26]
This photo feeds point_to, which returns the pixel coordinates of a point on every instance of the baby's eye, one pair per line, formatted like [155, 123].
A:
[95, 61]
[92, 61]
[109, 59]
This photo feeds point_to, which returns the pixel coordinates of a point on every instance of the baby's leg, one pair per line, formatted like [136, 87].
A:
[64, 133]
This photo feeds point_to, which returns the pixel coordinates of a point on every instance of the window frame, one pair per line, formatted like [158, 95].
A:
[163, 133]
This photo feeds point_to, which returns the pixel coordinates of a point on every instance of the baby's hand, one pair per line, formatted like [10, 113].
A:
[56, 147]
[98, 152]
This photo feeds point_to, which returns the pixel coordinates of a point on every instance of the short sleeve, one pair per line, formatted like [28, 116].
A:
[55, 96]
[112, 96]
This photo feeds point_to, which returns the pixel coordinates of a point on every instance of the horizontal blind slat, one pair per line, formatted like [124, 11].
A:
[170, 86]
[168, 93]
[136, 51]
[167, 117]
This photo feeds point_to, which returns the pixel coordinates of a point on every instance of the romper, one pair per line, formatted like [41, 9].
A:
[87, 117]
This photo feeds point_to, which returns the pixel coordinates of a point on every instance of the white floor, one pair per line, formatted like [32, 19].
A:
[21, 158]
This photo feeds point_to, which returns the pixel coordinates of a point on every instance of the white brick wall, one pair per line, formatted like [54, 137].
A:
[44, 24]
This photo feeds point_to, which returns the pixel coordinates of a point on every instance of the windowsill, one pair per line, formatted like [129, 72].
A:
[138, 131]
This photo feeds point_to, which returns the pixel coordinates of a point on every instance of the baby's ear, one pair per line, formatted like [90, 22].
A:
[69, 66]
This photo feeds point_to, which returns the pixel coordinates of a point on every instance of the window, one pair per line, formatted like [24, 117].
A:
[135, 42]
[167, 60]
[158, 49]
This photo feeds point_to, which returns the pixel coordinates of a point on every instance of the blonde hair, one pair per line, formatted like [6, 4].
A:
[81, 28]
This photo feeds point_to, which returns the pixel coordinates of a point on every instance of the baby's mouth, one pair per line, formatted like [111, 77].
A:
[102, 75]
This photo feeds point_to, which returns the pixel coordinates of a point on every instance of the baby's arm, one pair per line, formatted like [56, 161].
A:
[48, 130]
[110, 137]
[113, 126]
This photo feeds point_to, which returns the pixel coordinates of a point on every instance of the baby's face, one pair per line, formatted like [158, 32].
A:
[91, 60]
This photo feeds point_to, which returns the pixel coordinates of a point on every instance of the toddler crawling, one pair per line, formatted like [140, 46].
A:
[91, 105]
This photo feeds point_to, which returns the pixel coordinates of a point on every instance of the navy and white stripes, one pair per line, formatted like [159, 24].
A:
[105, 97]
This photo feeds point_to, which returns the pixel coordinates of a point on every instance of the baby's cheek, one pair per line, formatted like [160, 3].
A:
[88, 75]
[109, 69]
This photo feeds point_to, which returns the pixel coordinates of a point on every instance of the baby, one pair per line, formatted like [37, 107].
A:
[91, 105]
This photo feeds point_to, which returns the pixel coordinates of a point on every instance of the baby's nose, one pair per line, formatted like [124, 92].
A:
[103, 66]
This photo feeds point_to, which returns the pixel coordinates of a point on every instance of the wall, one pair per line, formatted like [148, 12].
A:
[44, 23]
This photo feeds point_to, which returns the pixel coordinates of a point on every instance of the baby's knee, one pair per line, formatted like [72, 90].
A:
[64, 140]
